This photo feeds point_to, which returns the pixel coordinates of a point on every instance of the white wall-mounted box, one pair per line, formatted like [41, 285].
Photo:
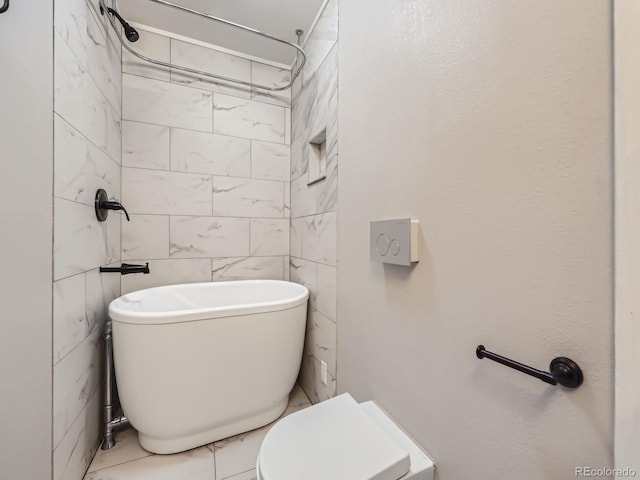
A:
[395, 241]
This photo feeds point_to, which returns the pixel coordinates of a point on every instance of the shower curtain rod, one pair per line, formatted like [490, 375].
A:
[301, 57]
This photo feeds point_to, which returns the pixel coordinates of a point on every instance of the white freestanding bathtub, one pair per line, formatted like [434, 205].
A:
[199, 362]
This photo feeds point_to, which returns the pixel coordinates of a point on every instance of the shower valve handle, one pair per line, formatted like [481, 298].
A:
[115, 206]
[103, 205]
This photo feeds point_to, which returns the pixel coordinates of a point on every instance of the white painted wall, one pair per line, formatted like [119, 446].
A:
[627, 154]
[490, 122]
[26, 171]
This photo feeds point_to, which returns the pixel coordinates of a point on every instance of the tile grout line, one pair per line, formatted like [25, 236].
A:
[203, 174]
[204, 132]
[121, 463]
[213, 445]
[87, 139]
[178, 83]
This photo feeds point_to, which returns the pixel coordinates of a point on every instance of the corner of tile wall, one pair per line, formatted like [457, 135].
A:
[87, 156]
[313, 243]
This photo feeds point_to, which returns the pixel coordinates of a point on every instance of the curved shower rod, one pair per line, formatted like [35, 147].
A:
[301, 57]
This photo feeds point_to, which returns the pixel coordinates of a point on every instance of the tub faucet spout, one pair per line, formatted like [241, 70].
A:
[127, 268]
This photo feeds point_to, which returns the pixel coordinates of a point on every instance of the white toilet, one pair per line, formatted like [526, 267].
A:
[340, 439]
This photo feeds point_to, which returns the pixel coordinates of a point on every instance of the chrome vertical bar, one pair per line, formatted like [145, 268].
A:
[111, 423]
[108, 441]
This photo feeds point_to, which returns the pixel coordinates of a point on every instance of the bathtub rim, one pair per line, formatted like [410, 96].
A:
[118, 312]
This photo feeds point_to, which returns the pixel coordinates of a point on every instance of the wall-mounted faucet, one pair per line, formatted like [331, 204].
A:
[127, 268]
[103, 205]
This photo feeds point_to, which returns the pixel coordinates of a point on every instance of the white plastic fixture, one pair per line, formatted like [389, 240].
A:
[395, 241]
[201, 362]
[341, 439]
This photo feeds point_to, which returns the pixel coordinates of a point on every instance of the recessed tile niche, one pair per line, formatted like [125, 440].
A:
[318, 158]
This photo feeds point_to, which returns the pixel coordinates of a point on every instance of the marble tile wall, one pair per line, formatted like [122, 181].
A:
[205, 168]
[313, 233]
[87, 156]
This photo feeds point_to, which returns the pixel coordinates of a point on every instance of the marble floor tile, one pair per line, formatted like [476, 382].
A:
[197, 464]
[238, 453]
[126, 450]
[233, 458]
[297, 401]
[248, 475]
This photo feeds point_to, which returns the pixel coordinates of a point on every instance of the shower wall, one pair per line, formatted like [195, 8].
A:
[205, 167]
[314, 204]
[207, 174]
[87, 151]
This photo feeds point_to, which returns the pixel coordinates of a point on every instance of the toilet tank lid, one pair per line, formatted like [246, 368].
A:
[334, 439]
